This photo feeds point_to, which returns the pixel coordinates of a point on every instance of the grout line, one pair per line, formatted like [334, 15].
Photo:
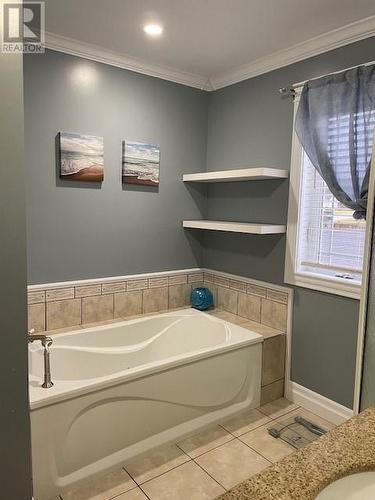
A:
[131, 477]
[287, 413]
[231, 433]
[122, 493]
[211, 449]
[260, 454]
[280, 416]
[145, 494]
[45, 316]
[208, 474]
[161, 474]
[250, 430]
[143, 301]
[279, 379]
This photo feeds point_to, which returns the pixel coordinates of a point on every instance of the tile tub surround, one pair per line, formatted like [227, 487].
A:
[347, 449]
[273, 355]
[72, 304]
[260, 307]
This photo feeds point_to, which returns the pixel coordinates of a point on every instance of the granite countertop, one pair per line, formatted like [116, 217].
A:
[347, 449]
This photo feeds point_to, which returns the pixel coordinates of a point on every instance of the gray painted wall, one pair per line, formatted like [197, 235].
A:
[250, 125]
[78, 231]
[15, 470]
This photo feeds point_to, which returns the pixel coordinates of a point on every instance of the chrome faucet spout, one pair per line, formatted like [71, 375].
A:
[46, 343]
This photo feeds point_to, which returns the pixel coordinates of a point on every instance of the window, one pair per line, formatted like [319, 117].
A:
[330, 242]
[325, 244]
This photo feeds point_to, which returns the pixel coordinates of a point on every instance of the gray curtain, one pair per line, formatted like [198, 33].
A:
[335, 125]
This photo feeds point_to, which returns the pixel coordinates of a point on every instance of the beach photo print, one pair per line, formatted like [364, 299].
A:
[81, 157]
[140, 163]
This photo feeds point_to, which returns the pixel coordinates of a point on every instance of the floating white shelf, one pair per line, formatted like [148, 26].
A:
[235, 227]
[239, 174]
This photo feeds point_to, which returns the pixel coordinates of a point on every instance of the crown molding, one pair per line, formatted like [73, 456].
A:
[339, 37]
[93, 52]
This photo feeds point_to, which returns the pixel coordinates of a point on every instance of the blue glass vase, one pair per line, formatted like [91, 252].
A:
[201, 298]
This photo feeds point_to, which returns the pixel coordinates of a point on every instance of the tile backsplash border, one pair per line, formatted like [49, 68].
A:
[256, 300]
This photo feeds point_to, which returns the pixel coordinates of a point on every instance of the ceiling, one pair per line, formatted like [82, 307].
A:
[206, 41]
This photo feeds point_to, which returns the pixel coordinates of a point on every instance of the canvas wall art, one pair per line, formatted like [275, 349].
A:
[140, 163]
[81, 157]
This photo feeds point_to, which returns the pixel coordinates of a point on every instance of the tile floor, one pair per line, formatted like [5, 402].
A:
[203, 466]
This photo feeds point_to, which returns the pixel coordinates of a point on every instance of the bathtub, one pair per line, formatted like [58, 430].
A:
[125, 388]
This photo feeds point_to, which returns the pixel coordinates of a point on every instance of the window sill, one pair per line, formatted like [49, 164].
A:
[330, 285]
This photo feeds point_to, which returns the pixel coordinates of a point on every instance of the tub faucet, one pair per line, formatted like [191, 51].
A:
[46, 343]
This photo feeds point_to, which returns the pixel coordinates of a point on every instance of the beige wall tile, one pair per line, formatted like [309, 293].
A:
[178, 279]
[36, 297]
[227, 299]
[88, 291]
[256, 290]
[221, 281]
[277, 296]
[209, 277]
[240, 286]
[227, 316]
[186, 482]
[232, 463]
[113, 322]
[155, 463]
[63, 313]
[272, 392]
[137, 284]
[155, 299]
[36, 317]
[179, 296]
[274, 314]
[113, 287]
[97, 308]
[213, 289]
[59, 294]
[195, 278]
[249, 306]
[158, 282]
[127, 304]
[273, 359]
[64, 330]
[264, 330]
[200, 285]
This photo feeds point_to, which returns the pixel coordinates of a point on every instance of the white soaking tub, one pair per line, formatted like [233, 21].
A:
[122, 389]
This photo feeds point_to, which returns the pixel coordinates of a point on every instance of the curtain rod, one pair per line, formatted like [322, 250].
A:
[291, 90]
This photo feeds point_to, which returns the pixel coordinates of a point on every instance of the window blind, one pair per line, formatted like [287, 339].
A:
[330, 241]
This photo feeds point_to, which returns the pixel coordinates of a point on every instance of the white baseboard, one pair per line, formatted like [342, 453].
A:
[320, 405]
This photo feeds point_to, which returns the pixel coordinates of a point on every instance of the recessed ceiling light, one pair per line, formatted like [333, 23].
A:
[153, 29]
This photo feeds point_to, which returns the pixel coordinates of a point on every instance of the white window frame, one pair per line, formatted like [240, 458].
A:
[337, 286]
